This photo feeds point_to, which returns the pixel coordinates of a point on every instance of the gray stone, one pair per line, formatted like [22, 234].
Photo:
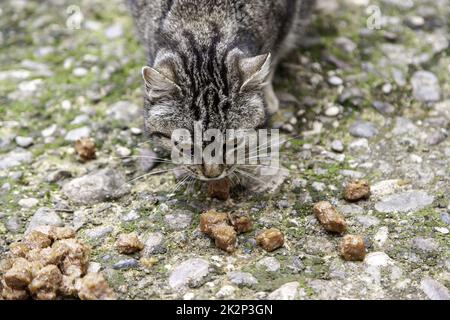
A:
[242, 279]
[335, 81]
[43, 217]
[403, 125]
[75, 134]
[337, 146]
[125, 264]
[131, 216]
[425, 86]
[99, 232]
[24, 142]
[350, 209]
[318, 186]
[437, 137]
[288, 291]
[124, 111]
[80, 119]
[368, 221]
[383, 107]
[332, 111]
[58, 175]
[189, 273]
[179, 220]
[79, 219]
[28, 202]
[154, 244]
[404, 202]
[363, 129]
[377, 259]
[427, 245]
[434, 290]
[15, 158]
[95, 187]
[13, 224]
[445, 217]
[270, 264]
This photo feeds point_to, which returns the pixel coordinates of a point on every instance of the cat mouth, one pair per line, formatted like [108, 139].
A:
[225, 173]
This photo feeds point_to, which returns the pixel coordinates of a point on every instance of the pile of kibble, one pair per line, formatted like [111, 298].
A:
[49, 263]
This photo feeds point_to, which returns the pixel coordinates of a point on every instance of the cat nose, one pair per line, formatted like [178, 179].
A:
[212, 170]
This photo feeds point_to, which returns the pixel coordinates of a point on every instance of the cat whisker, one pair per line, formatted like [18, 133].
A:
[250, 175]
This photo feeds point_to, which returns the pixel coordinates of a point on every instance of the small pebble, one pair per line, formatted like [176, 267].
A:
[332, 111]
[335, 81]
[24, 142]
[337, 146]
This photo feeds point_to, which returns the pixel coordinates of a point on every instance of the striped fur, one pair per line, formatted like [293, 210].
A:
[208, 49]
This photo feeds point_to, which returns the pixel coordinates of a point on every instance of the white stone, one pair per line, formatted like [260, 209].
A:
[378, 259]
[288, 291]
[381, 237]
[28, 202]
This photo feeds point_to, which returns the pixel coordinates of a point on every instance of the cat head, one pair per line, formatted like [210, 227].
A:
[217, 92]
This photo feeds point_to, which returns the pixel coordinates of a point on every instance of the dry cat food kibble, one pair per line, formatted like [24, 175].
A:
[353, 248]
[49, 263]
[219, 189]
[270, 239]
[85, 148]
[128, 243]
[215, 224]
[357, 190]
[329, 217]
[241, 222]
[224, 237]
[211, 218]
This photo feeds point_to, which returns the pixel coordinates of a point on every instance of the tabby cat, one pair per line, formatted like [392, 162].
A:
[212, 62]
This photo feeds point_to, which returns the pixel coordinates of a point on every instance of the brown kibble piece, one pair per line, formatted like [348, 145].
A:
[46, 283]
[59, 233]
[225, 237]
[356, 190]
[12, 294]
[67, 286]
[37, 240]
[211, 218]
[75, 256]
[329, 217]
[128, 243]
[94, 287]
[6, 264]
[270, 239]
[219, 189]
[19, 276]
[18, 249]
[353, 248]
[241, 222]
[85, 148]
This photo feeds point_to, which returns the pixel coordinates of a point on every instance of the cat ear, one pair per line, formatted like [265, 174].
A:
[255, 71]
[158, 83]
